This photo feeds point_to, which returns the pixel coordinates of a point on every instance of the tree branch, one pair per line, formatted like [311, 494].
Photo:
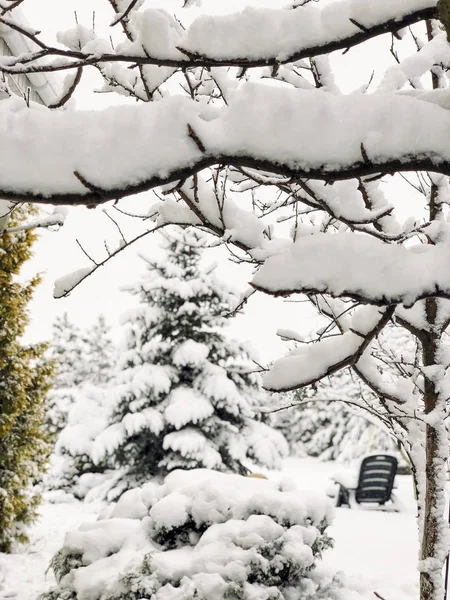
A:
[325, 173]
[69, 93]
[347, 361]
[353, 38]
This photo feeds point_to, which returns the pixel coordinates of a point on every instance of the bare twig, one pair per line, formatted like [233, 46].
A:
[68, 95]
[125, 14]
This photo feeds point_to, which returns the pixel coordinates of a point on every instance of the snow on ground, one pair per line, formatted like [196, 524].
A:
[22, 575]
[376, 549]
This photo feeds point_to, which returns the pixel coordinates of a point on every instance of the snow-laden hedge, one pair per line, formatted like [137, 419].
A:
[202, 534]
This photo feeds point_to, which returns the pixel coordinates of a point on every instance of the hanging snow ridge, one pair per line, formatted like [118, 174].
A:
[257, 33]
[107, 441]
[147, 378]
[192, 444]
[126, 149]
[362, 267]
[148, 418]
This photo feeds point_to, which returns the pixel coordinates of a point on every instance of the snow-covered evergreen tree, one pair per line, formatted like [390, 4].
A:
[68, 351]
[80, 357]
[101, 353]
[78, 407]
[324, 423]
[184, 396]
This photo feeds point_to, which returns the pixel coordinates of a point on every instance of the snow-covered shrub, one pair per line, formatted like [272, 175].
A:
[202, 534]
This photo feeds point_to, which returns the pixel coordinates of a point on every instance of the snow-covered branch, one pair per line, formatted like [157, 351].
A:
[310, 363]
[106, 155]
[248, 39]
[362, 268]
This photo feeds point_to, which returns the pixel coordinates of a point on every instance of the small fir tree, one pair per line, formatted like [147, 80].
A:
[24, 382]
[81, 357]
[78, 402]
[184, 395]
[100, 357]
[69, 352]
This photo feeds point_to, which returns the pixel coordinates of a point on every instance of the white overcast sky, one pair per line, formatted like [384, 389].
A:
[57, 253]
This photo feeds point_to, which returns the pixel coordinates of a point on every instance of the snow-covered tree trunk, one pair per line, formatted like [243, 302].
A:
[433, 527]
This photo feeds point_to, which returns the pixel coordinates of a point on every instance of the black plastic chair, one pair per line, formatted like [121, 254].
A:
[375, 482]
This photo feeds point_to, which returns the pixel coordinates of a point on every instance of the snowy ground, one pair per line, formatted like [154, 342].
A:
[378, 550]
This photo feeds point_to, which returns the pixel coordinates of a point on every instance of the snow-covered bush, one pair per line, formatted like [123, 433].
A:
[202, 534]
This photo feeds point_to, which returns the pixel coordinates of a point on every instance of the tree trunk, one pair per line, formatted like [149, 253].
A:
[433, 526]
[434, 532]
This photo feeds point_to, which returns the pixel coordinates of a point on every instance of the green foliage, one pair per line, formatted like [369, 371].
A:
[24, 381]
[63, 562]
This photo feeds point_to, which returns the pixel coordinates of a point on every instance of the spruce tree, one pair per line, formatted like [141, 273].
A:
[80, 357]
[69, 353]
[24, 382]
[85, 361]
[100, 355]
[68, 349]
[184, 396]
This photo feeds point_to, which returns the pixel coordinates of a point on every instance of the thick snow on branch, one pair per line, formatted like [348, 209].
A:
[436, 51]
[93, 156]
[250, 38]
[109, 149]
[264, 33]
[310, 363]
[66, 283]
[359, 267]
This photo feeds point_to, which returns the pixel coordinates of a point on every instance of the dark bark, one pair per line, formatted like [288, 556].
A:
[94, 195]
[431, 519]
